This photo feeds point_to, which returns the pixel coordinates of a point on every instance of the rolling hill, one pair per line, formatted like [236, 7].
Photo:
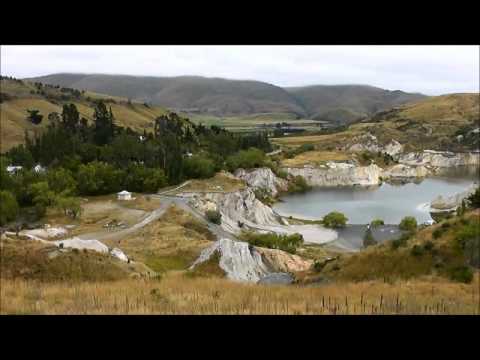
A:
[348, 103]
[19, 96]
[222, 97]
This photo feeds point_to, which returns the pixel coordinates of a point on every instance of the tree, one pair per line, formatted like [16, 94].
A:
[70, 118]
[34, 116]
[61, 180]
[377, 222]
[103, 124]
[8, 207]
[69, 205]
[251, 158]
[408, 223]
[335, 219]
[98, 178]
[473, 201]
[199, 167]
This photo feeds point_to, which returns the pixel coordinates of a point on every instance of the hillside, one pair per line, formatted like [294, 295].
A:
[18, 97]
[446, 122]
[348, 103]
[223, 97]
[212, 96]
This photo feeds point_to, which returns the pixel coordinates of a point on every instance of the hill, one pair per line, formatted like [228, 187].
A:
[447, 122]
[212, 96]
[348, 103]
[224, 97]
[19, 96]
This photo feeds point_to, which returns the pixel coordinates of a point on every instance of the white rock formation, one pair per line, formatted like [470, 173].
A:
[47, 232]
[405, 171]
[95, 245]
[440, 159]
[119, 254]
[282, 261]
[263, 178]
[453, 201]
[338, 174]
[239, 260]
[393, 148]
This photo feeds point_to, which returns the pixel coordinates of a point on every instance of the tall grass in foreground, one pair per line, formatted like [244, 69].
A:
[178, 294]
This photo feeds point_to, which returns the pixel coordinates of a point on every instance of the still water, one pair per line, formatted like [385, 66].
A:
[388, 202]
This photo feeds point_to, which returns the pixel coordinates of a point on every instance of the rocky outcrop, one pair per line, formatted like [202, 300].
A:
[282, 261]
[393, 148]
[238, 209]
[449, 203]
[338, 174]
[369, 142]
[239, 260]
[440, 159]
[263, 178]
[243, 262]
[94, 245]
[402, 171]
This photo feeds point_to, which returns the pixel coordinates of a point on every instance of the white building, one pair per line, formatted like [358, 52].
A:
[13, 169]
[124, 195]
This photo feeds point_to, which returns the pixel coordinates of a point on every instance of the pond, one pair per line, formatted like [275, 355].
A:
[390, 202]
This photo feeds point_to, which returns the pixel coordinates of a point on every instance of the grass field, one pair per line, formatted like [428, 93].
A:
[315, 158]
[178, 293]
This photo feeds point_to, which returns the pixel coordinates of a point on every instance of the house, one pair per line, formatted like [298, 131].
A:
[39, 168]
[13, 169]
[124, 195]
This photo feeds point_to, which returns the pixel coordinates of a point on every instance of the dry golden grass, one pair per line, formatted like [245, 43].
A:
[180, 294]
[13, 112]
[221, 182]
[315, 158]
[171, 243]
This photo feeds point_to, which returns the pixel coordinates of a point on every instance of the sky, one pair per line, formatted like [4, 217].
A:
[431, 70]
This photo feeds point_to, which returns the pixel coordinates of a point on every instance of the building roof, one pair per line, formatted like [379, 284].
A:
[124, 192]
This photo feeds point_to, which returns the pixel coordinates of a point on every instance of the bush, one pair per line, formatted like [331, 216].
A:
[334, 220]
[417, 250]
[437, 233]
[288, 243]
[408, 223]
[199, 167]
[428, 246]
[461, 274]
[473, 201]
[8, 207]
[377, 222]
[298, 184]
[402, 241]
[214, 216]
[246, 159]
[468, 240]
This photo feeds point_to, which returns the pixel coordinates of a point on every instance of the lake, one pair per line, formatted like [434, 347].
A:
[388, 201]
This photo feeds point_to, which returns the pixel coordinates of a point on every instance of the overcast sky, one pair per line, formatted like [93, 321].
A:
[432, 70]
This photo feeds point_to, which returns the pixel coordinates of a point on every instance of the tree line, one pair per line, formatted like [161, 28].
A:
[101, 157]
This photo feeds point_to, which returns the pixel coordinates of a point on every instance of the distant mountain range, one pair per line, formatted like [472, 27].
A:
[223, 97]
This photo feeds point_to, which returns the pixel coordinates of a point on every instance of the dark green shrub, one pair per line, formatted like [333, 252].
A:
[428, 246]
[368, 239]
[462, 274]
[288, 243]
[334, 220]
[417, 250]
[437, 233]
[8, 207]
[298, 184]
[214, 216]
[408, 223]
[377, 222]
[402, 241]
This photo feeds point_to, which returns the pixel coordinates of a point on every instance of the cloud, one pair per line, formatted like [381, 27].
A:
[429, 69]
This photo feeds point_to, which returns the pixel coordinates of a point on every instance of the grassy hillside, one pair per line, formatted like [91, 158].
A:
[222, 97]
[206, 95]
[448, 249]
[18, 97]
[348, 103]
[431, 123]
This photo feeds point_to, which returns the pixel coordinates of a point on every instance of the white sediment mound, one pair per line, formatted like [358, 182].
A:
[440, 159]
[239, 260]
[338, 174]
[95, 245]
[405, 171]
[47, 232]
[263, 178]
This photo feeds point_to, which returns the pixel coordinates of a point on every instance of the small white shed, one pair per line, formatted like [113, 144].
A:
[124, 195]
